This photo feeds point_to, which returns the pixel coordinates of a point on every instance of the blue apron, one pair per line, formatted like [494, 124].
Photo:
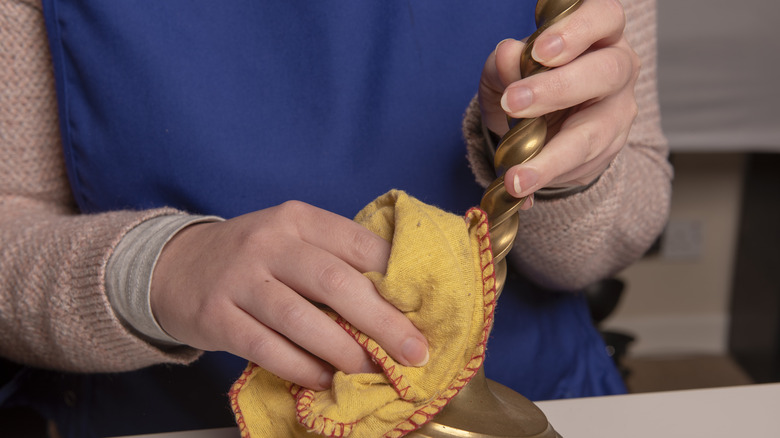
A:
[228, 107]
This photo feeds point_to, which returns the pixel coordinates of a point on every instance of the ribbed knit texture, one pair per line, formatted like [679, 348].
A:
[571, 243]
[129, 274]
[53, 309]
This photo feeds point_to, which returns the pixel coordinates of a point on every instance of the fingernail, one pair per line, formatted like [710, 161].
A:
[501, 42]
[529, 202]
[516, 183]
[415, 351]
[547, 47]
[525, 179]
[516, 99]
[326, 379]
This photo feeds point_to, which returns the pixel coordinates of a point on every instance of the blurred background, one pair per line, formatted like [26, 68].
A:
[703, 307]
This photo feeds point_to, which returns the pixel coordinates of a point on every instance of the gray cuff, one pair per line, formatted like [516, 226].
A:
[129, 273]
[551, 193]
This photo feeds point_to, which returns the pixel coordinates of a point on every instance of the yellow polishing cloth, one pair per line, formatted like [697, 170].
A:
[440, 275]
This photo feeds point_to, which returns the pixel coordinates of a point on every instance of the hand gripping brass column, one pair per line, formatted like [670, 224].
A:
[523, 141]
[485, 408]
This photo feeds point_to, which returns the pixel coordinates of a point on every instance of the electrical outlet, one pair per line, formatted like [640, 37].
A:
[682, 239]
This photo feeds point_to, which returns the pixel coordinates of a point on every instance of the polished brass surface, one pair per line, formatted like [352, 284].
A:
[525, 140]
[485, 408]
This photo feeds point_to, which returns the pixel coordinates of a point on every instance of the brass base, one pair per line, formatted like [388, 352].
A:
[487, 409]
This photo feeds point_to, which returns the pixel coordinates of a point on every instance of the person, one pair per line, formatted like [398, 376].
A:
[214, 153]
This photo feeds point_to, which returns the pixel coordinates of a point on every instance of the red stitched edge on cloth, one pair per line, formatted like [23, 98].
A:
[397, 380]
[427, 412]
[423, 415]
[303, 398]
[233, 394]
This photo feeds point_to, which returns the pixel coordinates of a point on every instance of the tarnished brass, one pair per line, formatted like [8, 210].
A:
[486, 409]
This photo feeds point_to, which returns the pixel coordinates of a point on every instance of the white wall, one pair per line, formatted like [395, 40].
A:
[719, 64]
[677, 301]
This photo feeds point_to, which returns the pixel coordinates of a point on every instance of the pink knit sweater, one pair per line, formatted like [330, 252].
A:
[53, 308]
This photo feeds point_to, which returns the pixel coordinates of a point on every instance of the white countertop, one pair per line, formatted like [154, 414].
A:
[733, 412]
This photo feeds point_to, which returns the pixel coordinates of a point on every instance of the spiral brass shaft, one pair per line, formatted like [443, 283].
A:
[485, 408]
[524, 140]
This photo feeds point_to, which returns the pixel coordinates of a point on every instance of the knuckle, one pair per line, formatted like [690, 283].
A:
[365, 245]
[555, 83]
[636, 64]
[629, 110]
[577, 27]
[633, 109]
[614, 9]
[275, 222]
[388, 321]
[616, 71]
[290, 317]
[591, 139]
[292, 210]
[333, 279]
[260, 347]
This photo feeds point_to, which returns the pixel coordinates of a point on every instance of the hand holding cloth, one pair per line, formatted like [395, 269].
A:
[440, 275]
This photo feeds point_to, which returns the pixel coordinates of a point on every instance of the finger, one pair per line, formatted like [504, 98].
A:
[255, 342]
[342, 237]
[289, 314]
[583, 148]
[529, 202]
[331, 281]
[592, 76]
[507, 61]
[595, 23]
[500, 70]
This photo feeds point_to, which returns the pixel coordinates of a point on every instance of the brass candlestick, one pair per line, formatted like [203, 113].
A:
[485, 408]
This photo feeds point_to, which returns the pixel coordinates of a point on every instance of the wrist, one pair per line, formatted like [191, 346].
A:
[129, 274]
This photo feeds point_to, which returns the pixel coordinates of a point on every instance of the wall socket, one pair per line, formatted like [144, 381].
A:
[682, 239]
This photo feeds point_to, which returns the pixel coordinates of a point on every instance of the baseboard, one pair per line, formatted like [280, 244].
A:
[674, 334]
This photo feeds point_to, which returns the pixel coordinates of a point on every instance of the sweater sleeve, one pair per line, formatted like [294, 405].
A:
[54, 312]
[131, 267]
[572, 242]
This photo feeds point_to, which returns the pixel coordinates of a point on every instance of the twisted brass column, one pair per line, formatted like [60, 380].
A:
[523, 141]
[485, 408]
